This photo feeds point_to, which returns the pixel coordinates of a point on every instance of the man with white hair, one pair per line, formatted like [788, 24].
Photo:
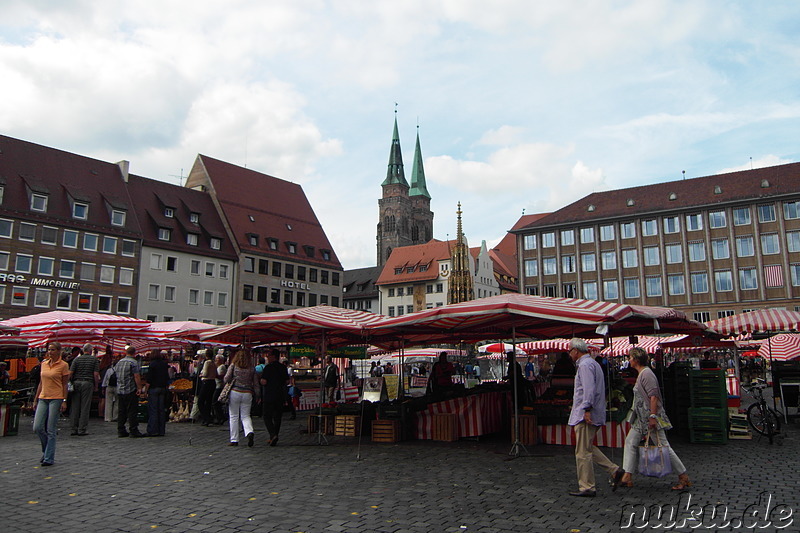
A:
[587, 416]
[84, 372]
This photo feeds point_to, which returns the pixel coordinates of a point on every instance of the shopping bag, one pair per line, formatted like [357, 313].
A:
[654, 459]
[225, 392]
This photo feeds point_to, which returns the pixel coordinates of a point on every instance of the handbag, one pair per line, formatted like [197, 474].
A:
[223, 395]
[654, 459]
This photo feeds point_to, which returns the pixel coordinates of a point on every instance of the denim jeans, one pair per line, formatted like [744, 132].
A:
[156, 411]
[45, 424]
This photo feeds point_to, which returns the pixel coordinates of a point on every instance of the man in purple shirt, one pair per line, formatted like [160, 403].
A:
[587, 415]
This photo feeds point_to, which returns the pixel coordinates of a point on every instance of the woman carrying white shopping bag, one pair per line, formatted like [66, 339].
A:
[648, 418]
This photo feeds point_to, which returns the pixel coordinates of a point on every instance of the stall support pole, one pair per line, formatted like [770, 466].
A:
[321, 438]
[515, 448]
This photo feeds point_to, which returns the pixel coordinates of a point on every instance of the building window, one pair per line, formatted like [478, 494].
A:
[223, 272]
[39, 203]
[699, 281]
[391, 293]
[288, 271]
[747, 279]
[766, 213]
[247, 292]
[19, 296]
[793, 241]
[24, 264]
[548, 240]
[697, 251]
[631, 287]
[301, 274]
[291, 247]
[67, 269]
[529, 242]
[588, 262]
[63, 300]
[117, 217]
[323, 277]
[567, 237]
[216, 243]
[439, 287]
[651, 256]
[107, 273]
[791, 210]
[694, 222]
[607, 233]
[608, 260]
[326, 256]
[172, 264]
[277, 269]
[153, 292]
[191, 239]
[70, 239]
[702, 316]
[210, 268]
[49, 235]
[610, 289]
[649, 227]
[194, 218]
[46, 265]
[334, 279]
[549, 266]
[719, 249]
[123, 305]
[567, 264]
[125, 276]
[391, 311]
[672, 225]
[222, 299]
[629, 258]
[716, 219]
[155, 261]
[288, 297]
[675, 284]
[741, 216]
[401, 291]
[723, 281]
[587, 235]
[531, 269]
[4, 256]
[627, 230]
[194, 267]
[6, 227]
[104, 304]
[261, 294]
[208, 298]
[744, 246]
[164, 234]
[88, 271]
[27, 232]
[80, 211]
[674, 254]
[275, 296]
[84, 302]
[653, 286]
[41, 298]
[550, 291]
[770, 244]
[128, 248]
[590, 290]
[109, 245]
[90, 241]
[569, 290]
[794, 271]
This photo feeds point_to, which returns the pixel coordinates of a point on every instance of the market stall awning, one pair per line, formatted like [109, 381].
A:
[500, 348]
[781, 347]
[759, 321]
[622, 345]
[75, 328]
[552, 346]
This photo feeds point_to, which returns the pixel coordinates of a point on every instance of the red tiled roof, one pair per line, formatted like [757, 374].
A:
[404, 257]
[255, 203]
[151, 197]
[63, 175]
[745, 185]
[508, 244]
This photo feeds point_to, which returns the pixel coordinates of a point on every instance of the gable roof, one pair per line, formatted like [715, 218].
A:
[741, 186]
[413, 257]
[65, 178]
[360, 282]
[269, 208]
[508, 244]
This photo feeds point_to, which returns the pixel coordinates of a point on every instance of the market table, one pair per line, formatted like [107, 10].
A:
[611, 435]
[476, 414]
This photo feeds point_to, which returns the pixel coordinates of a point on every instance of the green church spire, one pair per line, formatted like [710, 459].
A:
[395, 174]
[418, 186]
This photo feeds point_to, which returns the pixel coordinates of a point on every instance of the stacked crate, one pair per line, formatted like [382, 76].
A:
[385, 431]
[708, 416]
[677, 399]
[347, 426]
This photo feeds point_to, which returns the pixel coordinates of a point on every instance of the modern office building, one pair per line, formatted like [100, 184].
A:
[285, 258]
[711, 246]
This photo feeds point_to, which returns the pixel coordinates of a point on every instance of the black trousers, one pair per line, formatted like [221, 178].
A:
[128, 412]
[206, 400]
[273, 414]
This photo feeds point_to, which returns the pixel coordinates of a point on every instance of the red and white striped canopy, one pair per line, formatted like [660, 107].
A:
[781, 347]
[761, 320]
[500, 347]
[622, 345]
[309, 324]
[553, 345]
[13, 341]
[74, 327]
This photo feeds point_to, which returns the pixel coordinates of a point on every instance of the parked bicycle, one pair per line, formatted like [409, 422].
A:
[763, 419]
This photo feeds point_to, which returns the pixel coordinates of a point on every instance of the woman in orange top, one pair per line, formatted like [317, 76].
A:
[49, 400]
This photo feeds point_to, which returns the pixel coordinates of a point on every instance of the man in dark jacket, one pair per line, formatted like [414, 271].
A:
[273, 379]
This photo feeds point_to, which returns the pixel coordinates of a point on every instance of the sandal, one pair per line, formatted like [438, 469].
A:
[683, 482]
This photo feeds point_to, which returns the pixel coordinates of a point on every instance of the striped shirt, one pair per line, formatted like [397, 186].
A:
[83, 367]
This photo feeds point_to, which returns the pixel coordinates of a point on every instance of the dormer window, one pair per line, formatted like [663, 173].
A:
[216, 243]
[717, 189]
[273, 244]
[309, 250]
[191, 239]
[423, 268]
[673, 196]
[164, 234]
[2, 193]
[326, 255]
[39, 203]
[410, 269]
[289, 227]
[590, 208]
[398, 270]
[252, 239]
[194, 218]
[80, 210]
[630, 202]
[169, 212]
[117, 217]
[292, 247]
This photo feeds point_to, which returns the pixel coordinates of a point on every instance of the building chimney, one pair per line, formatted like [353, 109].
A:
[124, 166]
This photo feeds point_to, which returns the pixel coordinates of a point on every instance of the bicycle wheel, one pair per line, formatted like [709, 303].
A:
[762, 419]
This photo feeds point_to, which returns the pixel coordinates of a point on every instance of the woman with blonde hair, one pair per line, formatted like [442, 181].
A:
[648, 416]
[240, 399]
[48, 402]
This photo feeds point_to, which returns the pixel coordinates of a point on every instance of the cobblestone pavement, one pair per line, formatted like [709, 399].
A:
[191, 480]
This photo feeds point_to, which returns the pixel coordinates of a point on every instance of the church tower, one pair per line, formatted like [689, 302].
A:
[404, 213]
[461, 287]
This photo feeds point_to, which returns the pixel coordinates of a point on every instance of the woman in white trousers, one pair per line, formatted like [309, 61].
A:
[244, 390]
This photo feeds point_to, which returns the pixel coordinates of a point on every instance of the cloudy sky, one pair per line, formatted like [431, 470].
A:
[521, 106]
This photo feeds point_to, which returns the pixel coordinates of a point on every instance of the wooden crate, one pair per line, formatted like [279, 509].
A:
[385, 430]
[328, 424]
[527, 430]
[445, 427]
[347, 426]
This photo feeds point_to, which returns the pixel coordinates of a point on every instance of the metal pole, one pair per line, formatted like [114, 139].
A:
[517, 444]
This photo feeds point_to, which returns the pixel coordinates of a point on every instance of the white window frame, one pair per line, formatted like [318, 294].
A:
[742, 216]
[66, 294]
[64, 239]
[169, 293]
[652, 255]
[155, 261]
[43, 292]
[112, 240]
[96, 241]
[587, 235]
[52, 262]
[694, 222]
[120, 310]
[649, 227]
[717, 219]
[39, 202]
[54, 241]
[100, 299]
[75, 206]
[529, 242]
[125, 276]
[118, 217]
[108, 268]
[19, 290]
